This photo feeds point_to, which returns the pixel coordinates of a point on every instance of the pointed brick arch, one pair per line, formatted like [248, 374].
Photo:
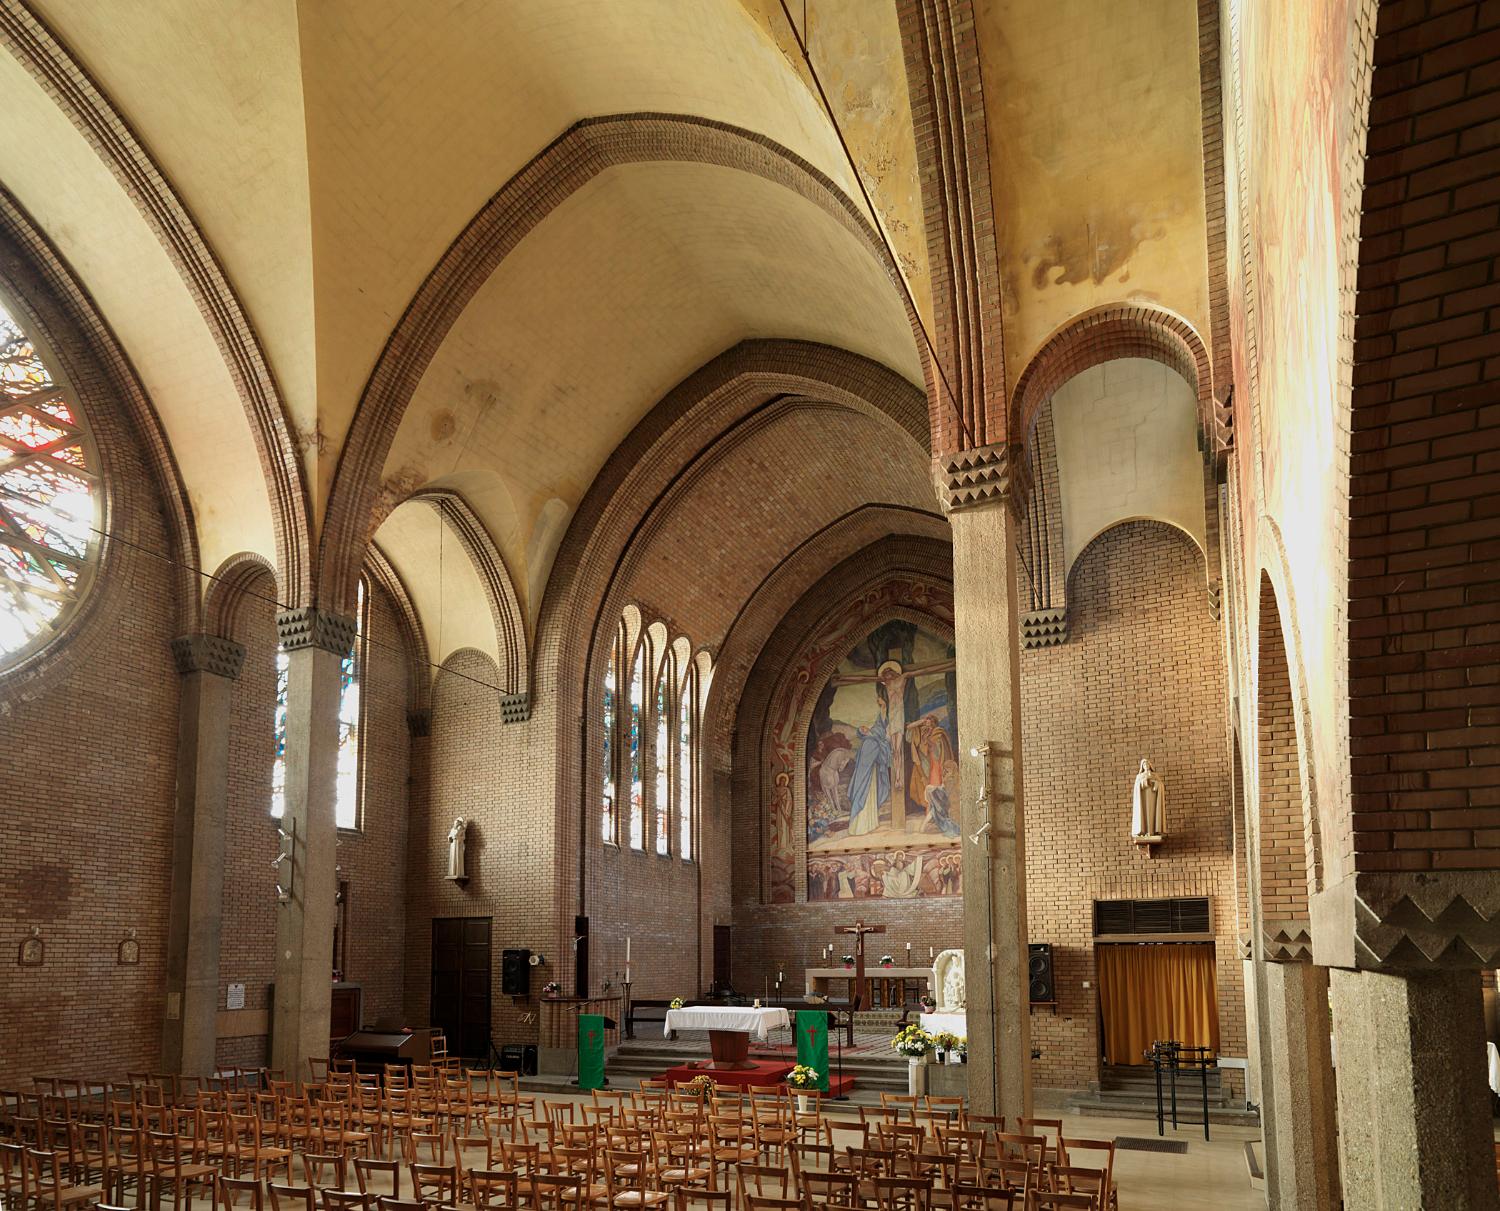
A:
[576, 157]
[1116, 331]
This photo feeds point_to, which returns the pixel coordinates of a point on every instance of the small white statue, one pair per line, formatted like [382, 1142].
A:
[948, 982]
[456, 835]
[1148, 805]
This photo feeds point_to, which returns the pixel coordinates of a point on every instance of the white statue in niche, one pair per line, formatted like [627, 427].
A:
[456, 835]
[948, 982]
[1148, 805]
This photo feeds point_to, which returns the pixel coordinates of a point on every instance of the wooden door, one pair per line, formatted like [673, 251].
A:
[461, 983]
[723, 958]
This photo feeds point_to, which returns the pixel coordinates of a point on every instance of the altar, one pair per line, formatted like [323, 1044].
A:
[818, 978]
[729, 1029]
[949, 1023]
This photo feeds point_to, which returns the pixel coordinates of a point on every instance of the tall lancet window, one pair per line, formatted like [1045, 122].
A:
[637, 721]
[351, 674]
[609, 817]
[347, 782]
[686, 754]
[663, 758]
[49, 498]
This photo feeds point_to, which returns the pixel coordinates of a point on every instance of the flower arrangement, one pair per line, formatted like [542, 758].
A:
[927, 1003]
[945, 1040]
[701, 1085]
[887, 960]
[848, 960]
[802, 1077]
[676, 1003]
[913, 1042]
[963, 1048]
[551, 988]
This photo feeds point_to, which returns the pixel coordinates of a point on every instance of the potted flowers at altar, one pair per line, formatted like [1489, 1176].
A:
[848, 960]
[701, 1087]
[963, 1049]
[802, 1078]
[927, 1003]
[915, 1044]
[945, 1041]
[887, 960]
[676, 1003]
[551, 989]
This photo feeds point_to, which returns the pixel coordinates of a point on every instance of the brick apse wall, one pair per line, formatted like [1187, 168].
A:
[372, 859]
[1142, 674]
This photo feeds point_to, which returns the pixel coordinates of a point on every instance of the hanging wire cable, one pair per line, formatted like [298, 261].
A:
[937, 364]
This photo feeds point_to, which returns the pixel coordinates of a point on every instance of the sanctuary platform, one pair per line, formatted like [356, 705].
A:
[760, 1073]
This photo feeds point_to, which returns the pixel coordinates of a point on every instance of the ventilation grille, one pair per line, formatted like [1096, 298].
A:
[1185, 915]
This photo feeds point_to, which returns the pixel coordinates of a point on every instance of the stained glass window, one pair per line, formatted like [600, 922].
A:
[685, 755]
[278, 764]
[663, 758]
[608, 820]
[48, 497]
[637, 719]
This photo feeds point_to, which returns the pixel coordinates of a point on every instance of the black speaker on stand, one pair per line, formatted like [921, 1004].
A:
[515, 973]
[1040, 981]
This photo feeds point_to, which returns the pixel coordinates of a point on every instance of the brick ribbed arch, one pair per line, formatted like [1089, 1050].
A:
[237, 578]
[573, 159]
[42, 54]
[1116, 331]
[418, 676]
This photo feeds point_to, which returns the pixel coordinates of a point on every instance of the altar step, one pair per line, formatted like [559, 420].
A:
[873, 1075]
[1130, 1092]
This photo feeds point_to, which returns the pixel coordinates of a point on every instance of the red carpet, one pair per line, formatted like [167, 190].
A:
[765, 1072]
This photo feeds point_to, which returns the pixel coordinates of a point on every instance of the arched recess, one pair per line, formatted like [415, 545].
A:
[418, 679]
[34, 45]
[239, 577]
[1118, 331]
[578, 155]
[61, 311]
[510, 627]
[1287, 834]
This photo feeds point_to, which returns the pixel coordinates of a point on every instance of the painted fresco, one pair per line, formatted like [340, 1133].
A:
[882, 771]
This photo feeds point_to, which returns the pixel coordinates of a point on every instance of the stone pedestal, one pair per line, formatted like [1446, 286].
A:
[1414, 1106]
[984, 606]
[315, 644]
[209, 665]
[1302, 1164]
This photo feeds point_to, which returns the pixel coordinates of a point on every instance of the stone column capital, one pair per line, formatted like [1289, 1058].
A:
[984, 476]
[1410, 921]
[310, 627]
[202, 653]
[1287, 941]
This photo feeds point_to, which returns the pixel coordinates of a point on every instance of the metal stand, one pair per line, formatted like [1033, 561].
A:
[629, 1025]
[1170, 1056]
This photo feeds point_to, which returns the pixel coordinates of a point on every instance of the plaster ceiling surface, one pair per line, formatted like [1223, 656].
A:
[751, 500]
[444, 586]
[218, 103]
[1127, 448]
[98, 230]
[1096, 160]
[639, 278]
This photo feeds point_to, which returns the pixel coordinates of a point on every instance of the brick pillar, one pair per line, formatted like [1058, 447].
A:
[1301, 1128]
[315, 644]
[1414, 1106]
[976, 491]
[209, 666]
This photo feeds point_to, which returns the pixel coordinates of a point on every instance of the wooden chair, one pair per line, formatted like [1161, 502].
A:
[15, 1190]
[628, 1177]
[712, 1200]
[248, 1149]
[46, 1185]
[773, 1181]
[830, 1186]
[365, 1169]
[227, 1191]
[1009, 1173]
[951, 1108]
[344, 1200]
[170, 1169]
[769, 1202]
[386, 1203]
[1098, 1154]
[558, 1192]
[493, 1188]
[1077, 1179]
[291, 1198]
[435, 1185]
[326, 1169]
[1030, 1148]
[980, 1198]
[1054, 1200]
[1050, 1129]
[678, 1160]
[903, 1193]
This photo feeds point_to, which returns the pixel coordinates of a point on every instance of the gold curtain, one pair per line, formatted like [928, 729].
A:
[1147, 993]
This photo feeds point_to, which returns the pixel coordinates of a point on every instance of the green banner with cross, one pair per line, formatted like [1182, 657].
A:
[591, 1051]
[812, 1043]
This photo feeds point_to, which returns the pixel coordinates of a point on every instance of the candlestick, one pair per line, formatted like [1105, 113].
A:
[930, 953]
[627, 950]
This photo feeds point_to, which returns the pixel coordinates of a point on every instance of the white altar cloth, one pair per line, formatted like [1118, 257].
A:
[953, 1023]
[726, 1017]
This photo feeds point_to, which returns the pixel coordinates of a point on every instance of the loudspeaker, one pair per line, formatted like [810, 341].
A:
[515, 972]
[1039, 974]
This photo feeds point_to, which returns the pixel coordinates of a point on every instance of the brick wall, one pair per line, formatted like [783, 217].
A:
[1285, 844]
[88, 742]
[1424, 671]
[373, 860]
[1142, 674]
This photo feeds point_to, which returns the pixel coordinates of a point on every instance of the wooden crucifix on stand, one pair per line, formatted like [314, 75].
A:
[859, 994]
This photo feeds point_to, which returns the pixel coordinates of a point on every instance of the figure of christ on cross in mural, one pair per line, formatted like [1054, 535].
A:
[882, 788]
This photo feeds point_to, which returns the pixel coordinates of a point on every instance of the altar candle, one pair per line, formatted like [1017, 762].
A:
[627, 951]
[908, 954]
[930, 955]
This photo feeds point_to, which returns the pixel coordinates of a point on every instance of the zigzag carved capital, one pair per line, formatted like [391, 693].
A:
[984, 475]
[1287, 941]
[1425, 920]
